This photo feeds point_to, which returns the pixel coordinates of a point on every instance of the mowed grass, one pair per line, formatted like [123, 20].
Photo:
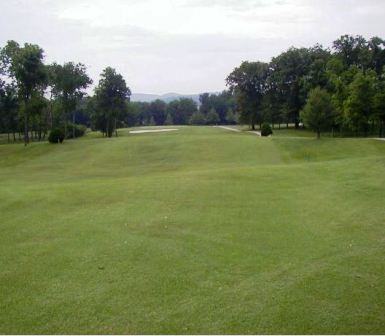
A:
[202, 230]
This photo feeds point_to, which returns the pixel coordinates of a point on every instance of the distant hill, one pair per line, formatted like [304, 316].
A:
[167, 97]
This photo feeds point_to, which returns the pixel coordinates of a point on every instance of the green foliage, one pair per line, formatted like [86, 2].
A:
[230, 117]
[248, 83]
[212, 117]
[358, 105]
[56, 136]
[158, 112]
[266, 129]
[24, 65]
[168, 120]
[152, 121]
[221, 103]
[198, 118]
[78, 130]
[318, 113]
[181, 110]
[111, 96]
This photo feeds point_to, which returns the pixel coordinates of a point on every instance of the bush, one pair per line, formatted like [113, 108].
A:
[56, 136]
[80, 130]
[266, 129]
[198, 118]
[212, 117]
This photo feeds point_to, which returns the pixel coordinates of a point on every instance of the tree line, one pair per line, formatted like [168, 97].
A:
[341, 89]
[37, 99]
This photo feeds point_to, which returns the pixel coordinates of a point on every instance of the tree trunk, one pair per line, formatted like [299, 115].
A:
[108, 130]
[116, 130]
[287, 125]
[8, 137]
[26, 135]
[318, 134]
[73, 125]
[14, 136]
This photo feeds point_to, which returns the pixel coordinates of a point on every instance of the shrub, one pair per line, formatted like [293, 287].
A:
[80, 130]
[212, 117]
[266, 129]
[56, 136]
[198, 118]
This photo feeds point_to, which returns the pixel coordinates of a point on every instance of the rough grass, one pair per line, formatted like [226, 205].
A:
[197, 231]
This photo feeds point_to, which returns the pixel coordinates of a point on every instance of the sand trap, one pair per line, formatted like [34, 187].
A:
[381, 139]
[229, 128]
[154, 130]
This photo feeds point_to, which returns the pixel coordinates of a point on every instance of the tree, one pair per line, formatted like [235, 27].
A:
[379, 104]
[353, 50]
[212, 117]
[25, 66]
[318, 112]
[358, 106]
[181, 110]
[111, 96]
[221, 102]
[158, 111]
[230, 117]
[248, 83]
[168, 120]
[68, 83]
[197, 118]
[8, 109]
[286, 73]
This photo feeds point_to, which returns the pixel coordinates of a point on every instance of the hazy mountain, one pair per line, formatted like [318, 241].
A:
[167, 97]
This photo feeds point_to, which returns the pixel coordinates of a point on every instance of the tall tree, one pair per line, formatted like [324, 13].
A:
[158, 111]
[26, 68]
[112, 94]
[358, 105]
[181, 110]
[8, 109]
[68, 83]
[248, 83]
[286, 72]
[318, 112]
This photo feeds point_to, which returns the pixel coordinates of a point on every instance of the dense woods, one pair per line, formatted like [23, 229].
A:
[339, 90]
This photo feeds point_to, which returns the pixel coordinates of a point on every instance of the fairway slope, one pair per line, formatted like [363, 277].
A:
[196, 231]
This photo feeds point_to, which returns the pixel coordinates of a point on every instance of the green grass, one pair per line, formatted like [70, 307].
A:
[197, 231]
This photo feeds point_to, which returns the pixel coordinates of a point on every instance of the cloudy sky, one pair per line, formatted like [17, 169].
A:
[185, 46]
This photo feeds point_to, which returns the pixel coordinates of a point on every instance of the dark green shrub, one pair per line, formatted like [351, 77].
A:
[80, 130]
[266, 129]
[56, 136]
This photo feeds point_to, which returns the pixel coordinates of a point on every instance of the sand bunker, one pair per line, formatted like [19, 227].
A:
[154, 130]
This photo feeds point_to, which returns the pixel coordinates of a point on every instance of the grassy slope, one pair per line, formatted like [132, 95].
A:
[198, 231]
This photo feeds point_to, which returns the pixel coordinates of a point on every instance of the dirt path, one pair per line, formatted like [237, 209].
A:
[154, 130]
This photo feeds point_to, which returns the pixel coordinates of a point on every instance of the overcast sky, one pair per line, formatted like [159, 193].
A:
[185, 46]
